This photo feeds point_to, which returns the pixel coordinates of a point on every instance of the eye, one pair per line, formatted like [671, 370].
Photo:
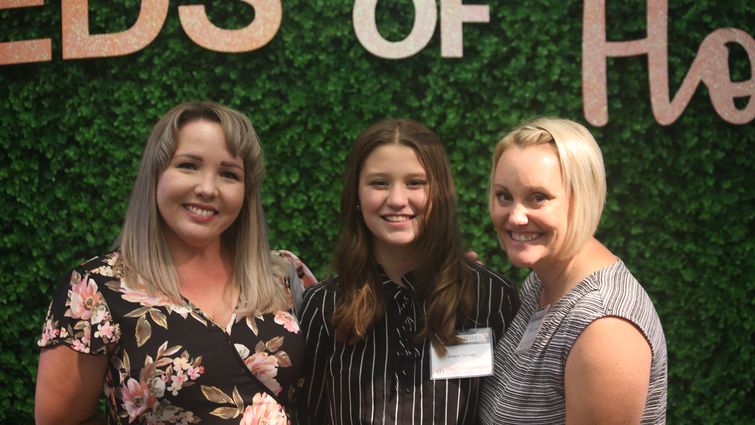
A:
[503, 197]
[539, 198]
[230, 175]
[186, 165]
[416, 183]
[378, 183]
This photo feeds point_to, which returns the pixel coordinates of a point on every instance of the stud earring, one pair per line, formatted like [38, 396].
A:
[359, 207]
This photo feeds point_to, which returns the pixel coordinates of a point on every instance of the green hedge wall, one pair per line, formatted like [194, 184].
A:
[680, 208]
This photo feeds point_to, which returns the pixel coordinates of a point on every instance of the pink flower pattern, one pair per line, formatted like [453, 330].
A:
[83, 297]
[265, 368]
[151, 375]
[287, 320]
[136, 398]
[264, 411]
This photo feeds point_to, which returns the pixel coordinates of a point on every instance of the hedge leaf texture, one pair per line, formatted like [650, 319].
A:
[680, 209]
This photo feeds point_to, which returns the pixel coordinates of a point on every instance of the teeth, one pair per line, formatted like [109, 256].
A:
[524, 237]
[396, 218]
[200, 211]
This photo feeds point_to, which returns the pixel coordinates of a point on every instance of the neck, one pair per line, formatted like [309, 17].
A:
[208, 267]
[561, 276]
[206, 279]
[397, 261]
[182, 254]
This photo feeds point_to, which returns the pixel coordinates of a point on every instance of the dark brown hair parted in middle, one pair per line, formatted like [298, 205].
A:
[444, 283]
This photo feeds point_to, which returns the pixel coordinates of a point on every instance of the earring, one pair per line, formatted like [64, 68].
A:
[359, 207]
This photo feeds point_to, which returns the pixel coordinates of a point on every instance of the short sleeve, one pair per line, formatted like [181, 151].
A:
[288, 268]
[79, 316]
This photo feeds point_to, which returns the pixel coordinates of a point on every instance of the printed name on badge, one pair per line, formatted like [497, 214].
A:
[471, 358]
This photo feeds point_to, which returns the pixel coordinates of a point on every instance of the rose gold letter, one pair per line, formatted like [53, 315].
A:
[595, 50]
[710, 67]
[267, 20]
[78, 43]
[712, 63]
[39, 50]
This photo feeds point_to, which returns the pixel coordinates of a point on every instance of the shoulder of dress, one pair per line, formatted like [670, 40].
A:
[108, 265]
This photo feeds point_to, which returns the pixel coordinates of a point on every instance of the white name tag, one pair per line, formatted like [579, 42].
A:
[470, 358]
[533, 327]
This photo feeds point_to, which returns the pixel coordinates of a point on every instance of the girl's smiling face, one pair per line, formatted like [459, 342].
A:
[393, 196]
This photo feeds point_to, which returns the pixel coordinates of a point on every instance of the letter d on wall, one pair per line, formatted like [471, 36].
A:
[365, 27]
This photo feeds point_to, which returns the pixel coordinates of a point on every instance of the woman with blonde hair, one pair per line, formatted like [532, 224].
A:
[404, 295]
[587, 346]
[188, 320]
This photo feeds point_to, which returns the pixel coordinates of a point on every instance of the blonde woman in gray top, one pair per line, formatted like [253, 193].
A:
[587, 346]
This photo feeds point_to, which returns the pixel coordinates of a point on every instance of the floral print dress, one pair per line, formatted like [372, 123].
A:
[169, 363]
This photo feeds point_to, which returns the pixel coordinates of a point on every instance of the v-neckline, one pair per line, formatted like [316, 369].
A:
[228, 326]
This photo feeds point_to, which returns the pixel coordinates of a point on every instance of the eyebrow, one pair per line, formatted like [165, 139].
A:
[383, 174]
[198, 158]
[528, 188]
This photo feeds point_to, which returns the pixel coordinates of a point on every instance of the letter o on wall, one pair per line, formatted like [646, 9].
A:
[365, 27]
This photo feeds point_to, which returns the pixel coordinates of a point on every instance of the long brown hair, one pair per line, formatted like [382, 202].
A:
[145, 255]
[444, 280]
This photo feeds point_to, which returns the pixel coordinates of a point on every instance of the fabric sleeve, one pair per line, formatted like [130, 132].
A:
[312, 401]
[79, 316]
[293, 271]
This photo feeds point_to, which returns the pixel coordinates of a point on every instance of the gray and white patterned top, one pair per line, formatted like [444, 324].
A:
[528, 387]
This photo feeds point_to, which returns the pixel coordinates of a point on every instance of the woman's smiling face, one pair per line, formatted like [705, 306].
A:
[531, 205]
[201, 192]
[393, 196]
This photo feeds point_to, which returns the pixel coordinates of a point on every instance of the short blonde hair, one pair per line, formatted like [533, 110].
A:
[582, 171]
[145, 253]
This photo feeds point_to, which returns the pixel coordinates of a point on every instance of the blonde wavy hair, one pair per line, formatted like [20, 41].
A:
[582, 172]
[145, 257]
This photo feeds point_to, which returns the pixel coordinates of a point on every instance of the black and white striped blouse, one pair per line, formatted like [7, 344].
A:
[384, 379]
[528, 387]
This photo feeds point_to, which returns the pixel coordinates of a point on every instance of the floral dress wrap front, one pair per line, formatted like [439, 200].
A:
[169, 363]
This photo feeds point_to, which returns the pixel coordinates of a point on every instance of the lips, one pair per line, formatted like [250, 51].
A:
[397, 218]
[524, 236]
[201, 211]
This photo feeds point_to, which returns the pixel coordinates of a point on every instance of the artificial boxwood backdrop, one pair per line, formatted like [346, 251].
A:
[680, 207]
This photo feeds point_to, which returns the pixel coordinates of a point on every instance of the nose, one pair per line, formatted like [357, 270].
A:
[206, 187]
[397, 196]
[518, 215]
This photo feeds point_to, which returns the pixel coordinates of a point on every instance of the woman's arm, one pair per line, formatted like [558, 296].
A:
[607, 374]
[69, 385]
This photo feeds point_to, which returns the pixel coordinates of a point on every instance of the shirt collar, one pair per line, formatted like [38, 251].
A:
[406, 280]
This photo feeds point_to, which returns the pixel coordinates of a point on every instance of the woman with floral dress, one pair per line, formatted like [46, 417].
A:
[189, 320]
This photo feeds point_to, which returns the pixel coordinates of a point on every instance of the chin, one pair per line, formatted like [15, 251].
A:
[521, 263]
[522, 260]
